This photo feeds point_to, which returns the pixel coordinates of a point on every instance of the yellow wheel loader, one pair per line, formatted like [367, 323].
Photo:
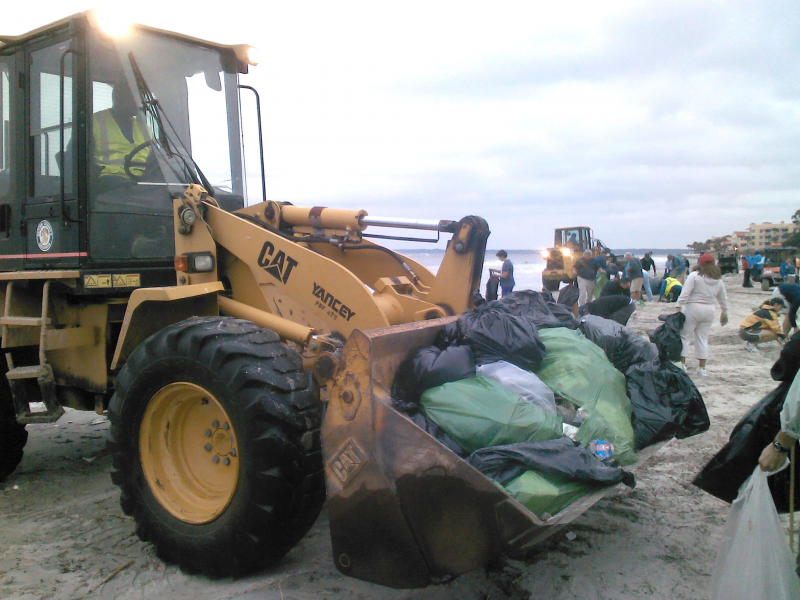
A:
[568, 246]
[244, 353]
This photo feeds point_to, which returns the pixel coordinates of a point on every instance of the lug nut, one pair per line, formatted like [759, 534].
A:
[215, 459]
[215, 424]
[347, 396]
[226, 461]
[208, 433]
[207, 447]
[225, 426]
[204, 401]
[233, 452]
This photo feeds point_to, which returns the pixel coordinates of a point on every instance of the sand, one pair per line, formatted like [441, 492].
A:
[63, 534]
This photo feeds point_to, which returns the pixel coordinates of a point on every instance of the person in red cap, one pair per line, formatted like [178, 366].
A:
[702, 288]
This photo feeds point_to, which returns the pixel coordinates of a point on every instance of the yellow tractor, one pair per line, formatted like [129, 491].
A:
[244, 354]
[568, 246]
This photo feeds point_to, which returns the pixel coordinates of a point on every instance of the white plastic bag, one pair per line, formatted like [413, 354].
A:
[754, 560]
[523, 383]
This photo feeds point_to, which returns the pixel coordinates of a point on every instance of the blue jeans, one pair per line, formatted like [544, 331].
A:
[506, 290]
[646, 285]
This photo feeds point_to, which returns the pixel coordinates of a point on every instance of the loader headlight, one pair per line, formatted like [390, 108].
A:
[253, 55]
[566, 251]
[545, 254]
[247, 54]
[195, 262]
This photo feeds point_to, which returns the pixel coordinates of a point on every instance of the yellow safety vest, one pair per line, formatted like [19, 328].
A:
[671, 282]
[111, 147]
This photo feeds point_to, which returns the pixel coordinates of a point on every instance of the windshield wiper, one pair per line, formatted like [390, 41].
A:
[167, 143]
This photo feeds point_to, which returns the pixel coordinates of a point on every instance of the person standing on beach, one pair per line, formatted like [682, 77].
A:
[586, 273]
[746, 270]
[633, 271]
[700, 290]
[648, 263]
[506, 274]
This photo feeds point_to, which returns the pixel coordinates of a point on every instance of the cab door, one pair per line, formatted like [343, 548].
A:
[11, 162]
[51, 205]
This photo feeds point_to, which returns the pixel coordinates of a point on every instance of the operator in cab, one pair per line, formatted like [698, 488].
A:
[118, 132]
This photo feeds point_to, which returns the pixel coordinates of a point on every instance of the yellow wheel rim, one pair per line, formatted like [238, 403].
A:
[189, 453]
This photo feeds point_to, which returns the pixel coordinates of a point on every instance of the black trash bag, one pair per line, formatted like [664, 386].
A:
[491, 288]
[569, 295]
[494, 336]
[564, 315]
[788, 363]
[665, 403]
[447, 336]
[437, 432]
[623, 346]
[734, 463]
[539, 307]
[615, 308]
[560, 456]
[431, 367]
[667, 337]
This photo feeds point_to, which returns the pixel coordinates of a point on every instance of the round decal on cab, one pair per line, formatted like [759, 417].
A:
[44, 236]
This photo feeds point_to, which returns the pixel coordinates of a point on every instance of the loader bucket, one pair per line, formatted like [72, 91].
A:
[405, 511]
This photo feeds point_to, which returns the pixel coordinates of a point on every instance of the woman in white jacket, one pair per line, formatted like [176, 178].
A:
[702, 287]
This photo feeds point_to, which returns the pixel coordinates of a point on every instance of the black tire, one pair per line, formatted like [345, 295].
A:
[12, 434]
[551, 285]
[275, 413]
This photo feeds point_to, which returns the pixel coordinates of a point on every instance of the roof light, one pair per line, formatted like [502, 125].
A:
[247, 54]
[113, 22]
[253, 55]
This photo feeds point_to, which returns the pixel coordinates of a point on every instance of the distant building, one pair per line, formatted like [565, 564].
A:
[763, 235]
[738, 240]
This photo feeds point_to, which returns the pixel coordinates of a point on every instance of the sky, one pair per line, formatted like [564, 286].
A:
[655, 123]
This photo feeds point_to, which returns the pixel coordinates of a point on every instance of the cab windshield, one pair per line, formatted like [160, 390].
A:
[165, 114]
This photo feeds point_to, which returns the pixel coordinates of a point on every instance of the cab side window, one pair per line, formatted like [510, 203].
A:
[45, 120]
[5, 131]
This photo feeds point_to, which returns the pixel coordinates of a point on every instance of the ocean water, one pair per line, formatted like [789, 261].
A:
[528, 265]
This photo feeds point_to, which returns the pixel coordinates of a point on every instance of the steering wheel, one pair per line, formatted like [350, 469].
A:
[129, 160]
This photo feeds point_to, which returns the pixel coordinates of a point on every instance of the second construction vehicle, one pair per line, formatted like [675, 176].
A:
[244, 353]
[568, 246]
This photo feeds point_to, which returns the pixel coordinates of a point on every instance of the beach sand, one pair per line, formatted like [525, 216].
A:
[63, 534]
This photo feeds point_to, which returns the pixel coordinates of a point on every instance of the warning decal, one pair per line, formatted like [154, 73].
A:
[97, 281]
[127, 280]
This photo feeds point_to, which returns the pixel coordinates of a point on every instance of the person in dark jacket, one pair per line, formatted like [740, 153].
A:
[648, 263]
[746, 273]
[616, 308]
[617, 287]
[506, 273]
[586, 273]
[790, 294]
[762, 325]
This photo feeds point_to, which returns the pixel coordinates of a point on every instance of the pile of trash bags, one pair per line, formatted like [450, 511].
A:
[549, 406]
[729, 468]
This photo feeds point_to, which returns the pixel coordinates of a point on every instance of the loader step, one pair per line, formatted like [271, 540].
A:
[33, 372]
[23, 321]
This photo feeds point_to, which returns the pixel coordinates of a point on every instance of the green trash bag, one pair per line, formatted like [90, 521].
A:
[599, 284]
[479, 412]
[578, 370]
[541, 493]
